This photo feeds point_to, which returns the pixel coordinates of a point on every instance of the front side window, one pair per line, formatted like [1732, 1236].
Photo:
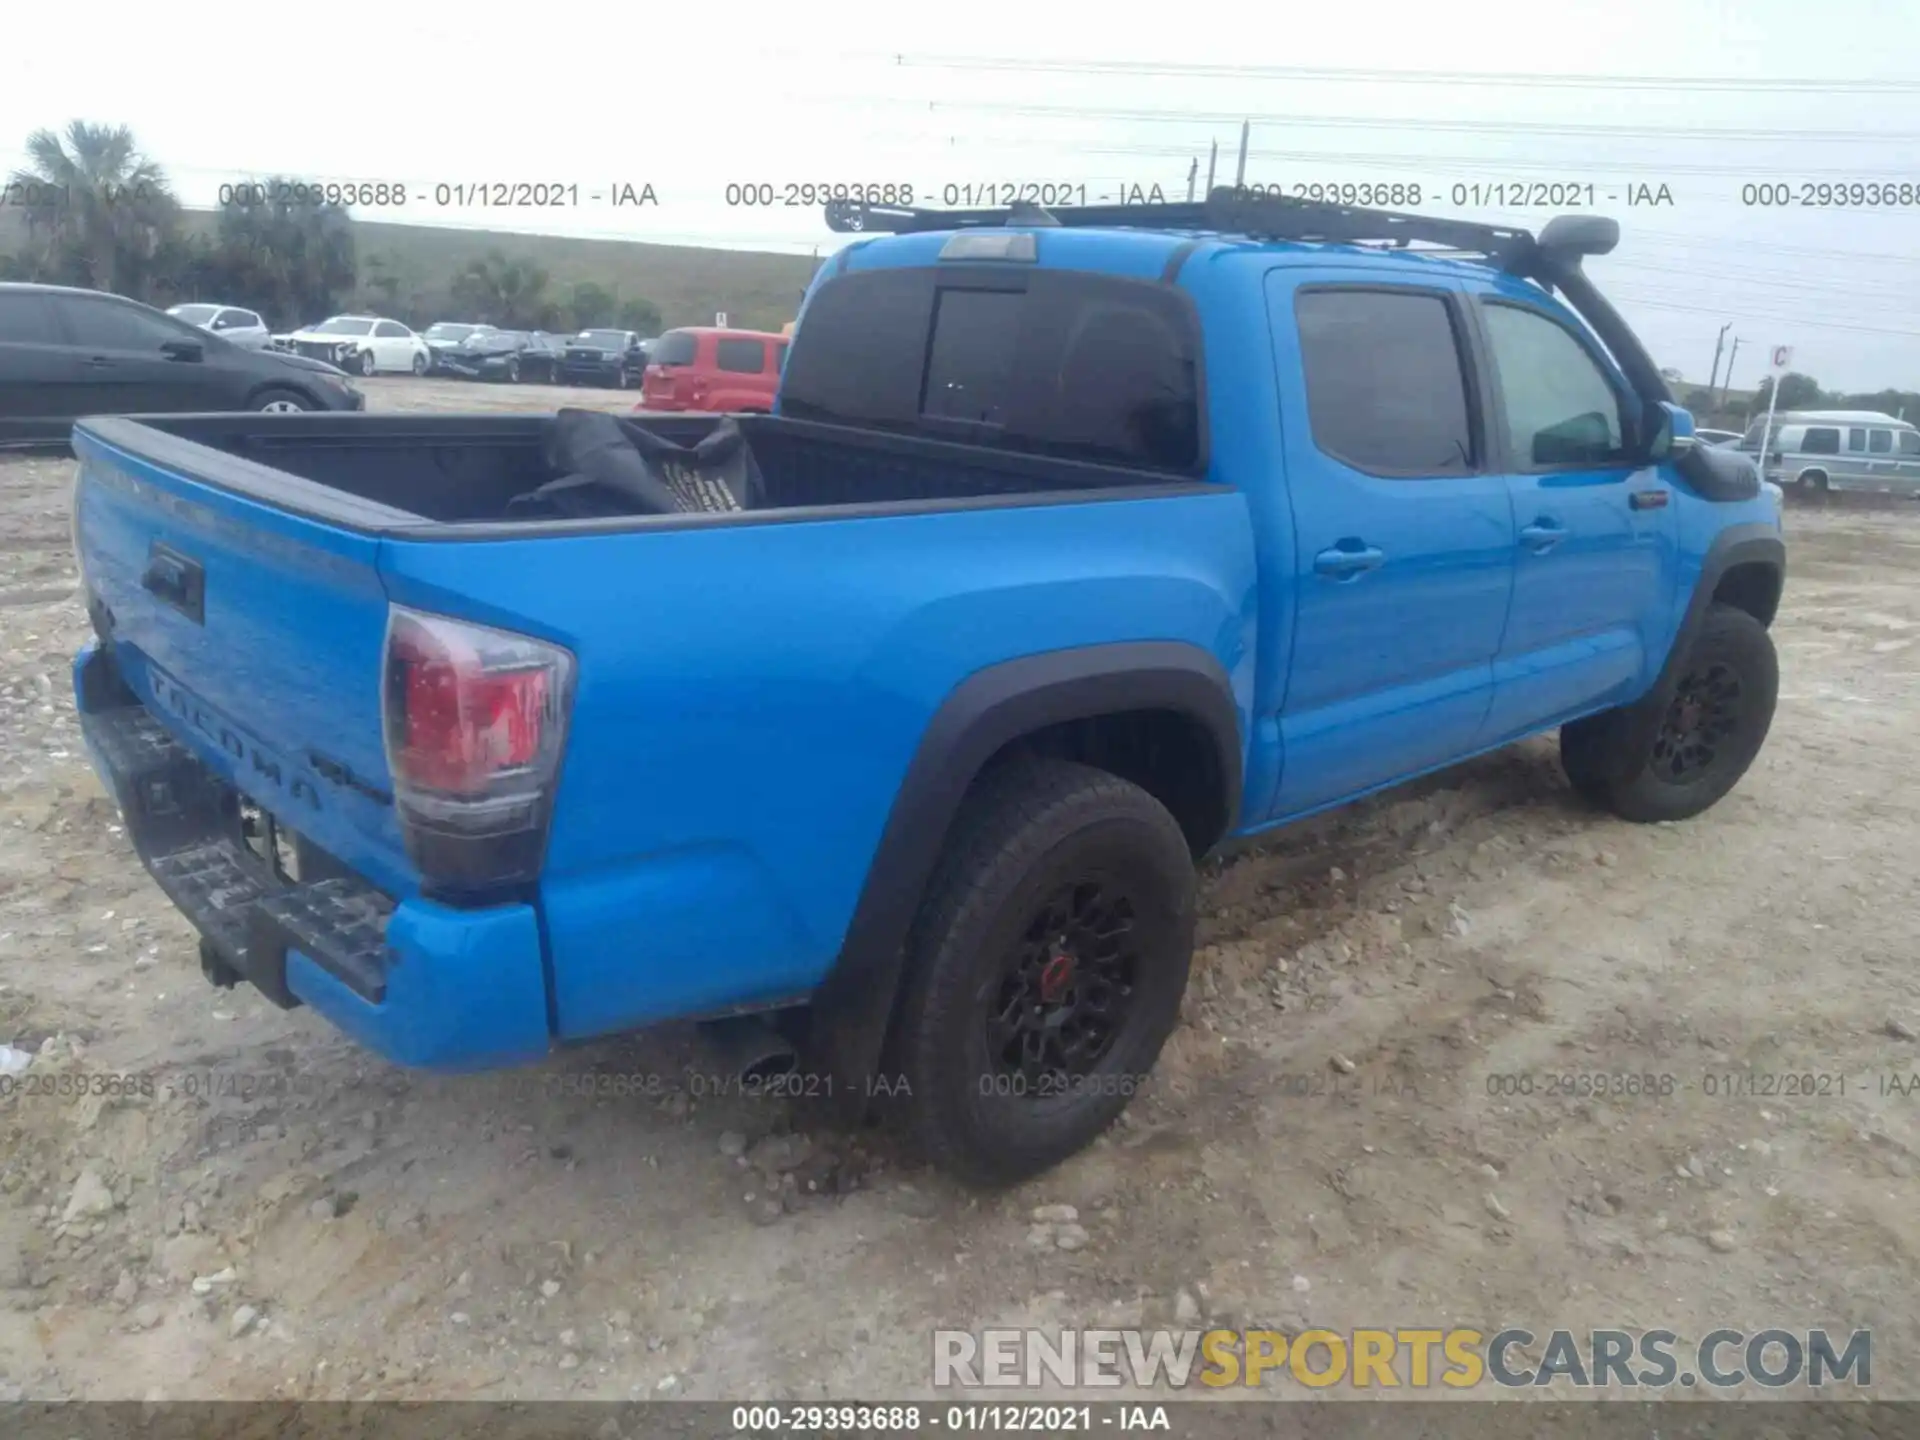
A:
[1909, 444]
[1386, 390]
[1561, 410]
[1880, 442]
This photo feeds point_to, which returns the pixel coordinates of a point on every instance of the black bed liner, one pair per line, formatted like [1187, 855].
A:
[436, 476]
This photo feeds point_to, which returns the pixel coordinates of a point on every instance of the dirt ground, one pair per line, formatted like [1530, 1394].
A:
[1323, 1143]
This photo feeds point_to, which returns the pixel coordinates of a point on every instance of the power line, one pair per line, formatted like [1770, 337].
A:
[1490, 167]
[1790, 135]
[1544, 80]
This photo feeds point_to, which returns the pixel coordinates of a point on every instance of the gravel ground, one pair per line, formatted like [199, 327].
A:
[285, 1216]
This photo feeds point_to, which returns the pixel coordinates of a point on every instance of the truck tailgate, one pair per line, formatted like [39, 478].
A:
[253, 634]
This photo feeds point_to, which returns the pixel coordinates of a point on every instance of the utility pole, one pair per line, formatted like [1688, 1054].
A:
[1724, 384]
[1213, 159]
[1714, 378]
[1193, 174]
[1240, 170]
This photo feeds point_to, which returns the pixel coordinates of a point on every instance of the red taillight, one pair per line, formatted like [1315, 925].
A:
[461, 726]
[475, 719]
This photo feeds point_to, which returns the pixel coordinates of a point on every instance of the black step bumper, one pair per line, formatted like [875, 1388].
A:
[187, 826]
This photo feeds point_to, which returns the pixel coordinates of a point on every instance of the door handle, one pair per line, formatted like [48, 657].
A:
[1349, 560]
[1541, 536]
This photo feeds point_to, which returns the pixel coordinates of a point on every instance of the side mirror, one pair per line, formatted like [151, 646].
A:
[183, 350]
[1671, 432]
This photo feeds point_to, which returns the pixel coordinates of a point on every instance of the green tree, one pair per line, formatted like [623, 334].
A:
[509, 292]
[1797, 392]
[591, 304]
[291, 260]
[640, 315]
[98, 212]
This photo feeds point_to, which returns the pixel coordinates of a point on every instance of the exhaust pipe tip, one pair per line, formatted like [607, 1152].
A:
[750, 1049]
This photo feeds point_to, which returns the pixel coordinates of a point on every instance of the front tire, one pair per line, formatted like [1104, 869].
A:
[273, 402]
[367, 366]
[1045, 969]
[419, 364]
[1714, 725]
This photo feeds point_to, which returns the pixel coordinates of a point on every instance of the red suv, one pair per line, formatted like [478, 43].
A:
[703, 368]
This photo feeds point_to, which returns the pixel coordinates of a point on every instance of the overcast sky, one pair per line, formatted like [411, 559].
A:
[691, 98]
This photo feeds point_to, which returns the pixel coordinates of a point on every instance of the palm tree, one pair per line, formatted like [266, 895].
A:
[99, 207]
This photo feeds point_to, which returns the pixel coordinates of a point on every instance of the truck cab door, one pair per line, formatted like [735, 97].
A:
[1594, 568]
[1403, 538]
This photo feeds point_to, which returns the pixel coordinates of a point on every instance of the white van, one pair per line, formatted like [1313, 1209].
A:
[1820, 450]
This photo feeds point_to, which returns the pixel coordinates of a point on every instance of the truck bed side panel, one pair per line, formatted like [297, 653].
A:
[749, 699]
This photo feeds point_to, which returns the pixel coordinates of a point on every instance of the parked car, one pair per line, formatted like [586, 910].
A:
[1069, 554]
[445, 336]
[1717, 437]
[541, 359]
[603, 357]
[239, 327]
[1821, 450]
[509, 355]
[66, 353]
[703, 368]
[363, 345]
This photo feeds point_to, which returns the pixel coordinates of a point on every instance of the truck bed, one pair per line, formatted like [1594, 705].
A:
[402, 472]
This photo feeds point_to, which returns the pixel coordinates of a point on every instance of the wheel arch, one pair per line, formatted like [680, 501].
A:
[1161, 714]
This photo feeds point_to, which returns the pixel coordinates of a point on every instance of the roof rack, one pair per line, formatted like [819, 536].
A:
[1229, 210]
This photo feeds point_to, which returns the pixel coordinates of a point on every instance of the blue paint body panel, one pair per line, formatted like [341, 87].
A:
[749, 698]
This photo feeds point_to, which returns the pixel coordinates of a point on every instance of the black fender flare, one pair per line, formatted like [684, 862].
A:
[1747, 544]
[852, 1010]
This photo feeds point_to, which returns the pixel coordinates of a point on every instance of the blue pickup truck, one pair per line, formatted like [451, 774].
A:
[1080, 542]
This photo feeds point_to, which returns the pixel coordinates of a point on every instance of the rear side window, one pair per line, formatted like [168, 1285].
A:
[1823, 440]
[27, 319]
[1386, 392]
[99, 324]
[1561, 410]
[390, 330]
[742, 357]
[676, 347]
[1053, 362]
[1879, 442]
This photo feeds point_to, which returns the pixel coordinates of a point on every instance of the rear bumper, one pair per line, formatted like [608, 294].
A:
[420, 983]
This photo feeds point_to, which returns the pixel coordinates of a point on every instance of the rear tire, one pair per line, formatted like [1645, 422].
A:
[1714, 726]
[1045, 969]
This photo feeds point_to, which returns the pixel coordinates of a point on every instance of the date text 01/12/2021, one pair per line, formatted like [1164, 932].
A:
[439, 194]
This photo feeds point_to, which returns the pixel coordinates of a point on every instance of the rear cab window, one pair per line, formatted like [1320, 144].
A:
[1052, 362]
